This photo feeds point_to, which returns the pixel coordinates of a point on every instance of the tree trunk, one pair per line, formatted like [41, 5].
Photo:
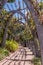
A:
[6, 28]
[2, 3]
[4, 36]
[38, 27]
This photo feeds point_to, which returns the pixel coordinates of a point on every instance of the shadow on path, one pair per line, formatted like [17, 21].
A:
[23, 56]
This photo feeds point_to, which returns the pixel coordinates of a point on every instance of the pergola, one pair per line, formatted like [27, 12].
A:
[21, 12]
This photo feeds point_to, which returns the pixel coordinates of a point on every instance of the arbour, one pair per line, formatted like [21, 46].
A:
[35, 17]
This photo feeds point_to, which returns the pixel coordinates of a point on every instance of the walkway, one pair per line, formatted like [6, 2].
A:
[23, 56]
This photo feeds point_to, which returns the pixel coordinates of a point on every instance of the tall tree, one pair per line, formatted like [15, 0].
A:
[38, 27]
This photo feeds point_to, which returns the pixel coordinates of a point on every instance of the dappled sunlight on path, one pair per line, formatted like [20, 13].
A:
[23, 56]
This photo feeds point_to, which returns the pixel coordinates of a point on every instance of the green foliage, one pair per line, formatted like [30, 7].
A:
[1, 35]
[40, 5]
[37, 61]
[4, 12]
[11, 45]
[26, 34]
[3, 53]
[19, 28]
[32, 24]
[38, 43]
[2, 24]
[11, 0]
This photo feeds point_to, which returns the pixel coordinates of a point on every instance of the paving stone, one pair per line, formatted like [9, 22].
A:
[23, 56]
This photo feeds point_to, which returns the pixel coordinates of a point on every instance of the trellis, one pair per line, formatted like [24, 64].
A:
[29, 7]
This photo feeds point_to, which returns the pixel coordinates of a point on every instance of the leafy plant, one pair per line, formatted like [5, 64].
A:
[3, 53]
[11, 45]
[37, 61]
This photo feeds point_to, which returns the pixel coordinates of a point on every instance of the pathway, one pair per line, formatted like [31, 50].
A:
[23, 56]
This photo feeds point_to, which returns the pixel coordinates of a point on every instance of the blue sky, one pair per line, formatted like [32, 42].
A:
[11, 6]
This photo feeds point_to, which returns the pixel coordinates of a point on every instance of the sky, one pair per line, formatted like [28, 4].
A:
[11, 6]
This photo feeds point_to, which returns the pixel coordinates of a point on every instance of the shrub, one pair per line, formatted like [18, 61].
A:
[3, 53]
[36, 61]
[11, 45]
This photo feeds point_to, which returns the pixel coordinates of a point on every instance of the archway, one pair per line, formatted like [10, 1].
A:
[39, 27]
